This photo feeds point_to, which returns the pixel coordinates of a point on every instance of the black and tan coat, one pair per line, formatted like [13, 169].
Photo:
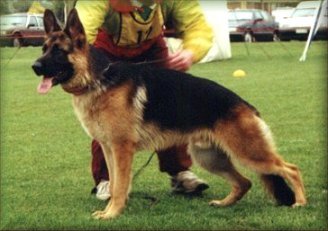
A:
[126, 108]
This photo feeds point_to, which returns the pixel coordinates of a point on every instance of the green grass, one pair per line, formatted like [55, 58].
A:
[45, 154]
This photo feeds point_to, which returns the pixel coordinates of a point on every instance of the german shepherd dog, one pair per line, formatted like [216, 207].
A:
[126, 108]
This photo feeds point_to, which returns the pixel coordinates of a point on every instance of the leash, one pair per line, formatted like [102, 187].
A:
[153, 200]
[13, 56]
[144, 166]
[138, 63]
[151, 62]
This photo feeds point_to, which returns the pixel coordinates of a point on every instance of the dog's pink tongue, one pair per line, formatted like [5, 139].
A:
[45, 85]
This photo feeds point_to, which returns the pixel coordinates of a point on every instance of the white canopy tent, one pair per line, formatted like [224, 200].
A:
[216, 13]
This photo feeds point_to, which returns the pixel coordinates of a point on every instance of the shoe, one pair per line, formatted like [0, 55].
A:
[186, 182]
[102, 190]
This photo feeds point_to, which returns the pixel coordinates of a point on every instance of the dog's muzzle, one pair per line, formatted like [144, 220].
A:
[37, 68]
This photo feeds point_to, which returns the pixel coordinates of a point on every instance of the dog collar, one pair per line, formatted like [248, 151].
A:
[77, 91]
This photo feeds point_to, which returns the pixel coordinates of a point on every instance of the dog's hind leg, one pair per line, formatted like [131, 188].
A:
[247, 138]
[122, 156]
[216, 161]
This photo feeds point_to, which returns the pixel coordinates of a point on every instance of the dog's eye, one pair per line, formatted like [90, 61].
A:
[59, 55]
[56, 50]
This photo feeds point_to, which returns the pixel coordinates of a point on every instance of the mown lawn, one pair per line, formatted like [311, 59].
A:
[45, 154]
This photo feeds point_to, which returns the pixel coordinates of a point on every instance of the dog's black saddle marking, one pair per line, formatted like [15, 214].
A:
[176, 100]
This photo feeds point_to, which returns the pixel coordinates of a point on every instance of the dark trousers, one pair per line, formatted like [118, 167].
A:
[172, 160]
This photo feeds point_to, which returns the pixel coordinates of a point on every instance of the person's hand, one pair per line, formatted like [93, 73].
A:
[181, 60]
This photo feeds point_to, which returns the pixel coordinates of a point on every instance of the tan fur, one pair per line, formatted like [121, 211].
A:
[115, 121]
[106, 115]
[83, 76]
[219, 163]
[248, 139]
[117, 125]
[60, 39]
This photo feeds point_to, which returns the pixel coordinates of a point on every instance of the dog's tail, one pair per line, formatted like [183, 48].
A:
[279, 189]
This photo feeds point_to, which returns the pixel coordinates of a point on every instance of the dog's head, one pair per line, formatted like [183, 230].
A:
[61, 48]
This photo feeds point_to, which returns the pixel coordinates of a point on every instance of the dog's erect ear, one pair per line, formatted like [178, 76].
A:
[74, 29]
[50, 22]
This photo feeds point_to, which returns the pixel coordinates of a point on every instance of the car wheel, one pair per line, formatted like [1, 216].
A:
[17, 41]
[248, 37]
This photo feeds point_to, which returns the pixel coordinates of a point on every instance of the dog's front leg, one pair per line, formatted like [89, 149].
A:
[122, 156]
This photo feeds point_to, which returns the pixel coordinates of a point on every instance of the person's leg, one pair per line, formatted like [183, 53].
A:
[99, 172]
[176, 162]
[98, 164]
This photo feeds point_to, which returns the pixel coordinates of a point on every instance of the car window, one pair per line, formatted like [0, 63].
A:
[40, 21]
[266, 16]
[244, 15]
[258, 15]
[13, 20]
[309, 12]
[33, 21]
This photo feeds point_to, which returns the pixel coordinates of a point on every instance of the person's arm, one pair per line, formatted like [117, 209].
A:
[92, 15]
[197, 36]
[189, 20]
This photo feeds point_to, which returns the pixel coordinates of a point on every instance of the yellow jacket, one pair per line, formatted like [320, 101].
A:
[185, 16]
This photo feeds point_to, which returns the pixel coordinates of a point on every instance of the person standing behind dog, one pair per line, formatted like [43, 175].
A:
[133, 31]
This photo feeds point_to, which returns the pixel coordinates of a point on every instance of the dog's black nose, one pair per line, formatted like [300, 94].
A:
[37, 67]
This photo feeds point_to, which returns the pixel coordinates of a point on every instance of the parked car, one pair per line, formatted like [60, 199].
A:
[281, 13]
[21, 29]
[298, 25]
[252, 25]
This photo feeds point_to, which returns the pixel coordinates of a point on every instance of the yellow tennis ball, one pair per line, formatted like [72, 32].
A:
[239, 73]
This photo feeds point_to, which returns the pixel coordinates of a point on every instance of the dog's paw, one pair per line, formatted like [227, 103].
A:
[104, 215]
[220, 203]
[298, 204]
[216, 203]
[98, 214]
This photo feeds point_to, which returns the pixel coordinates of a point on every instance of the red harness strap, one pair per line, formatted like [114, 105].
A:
[123, 6]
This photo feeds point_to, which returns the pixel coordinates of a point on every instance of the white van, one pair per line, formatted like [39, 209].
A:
[298, 25]
[281, 13]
